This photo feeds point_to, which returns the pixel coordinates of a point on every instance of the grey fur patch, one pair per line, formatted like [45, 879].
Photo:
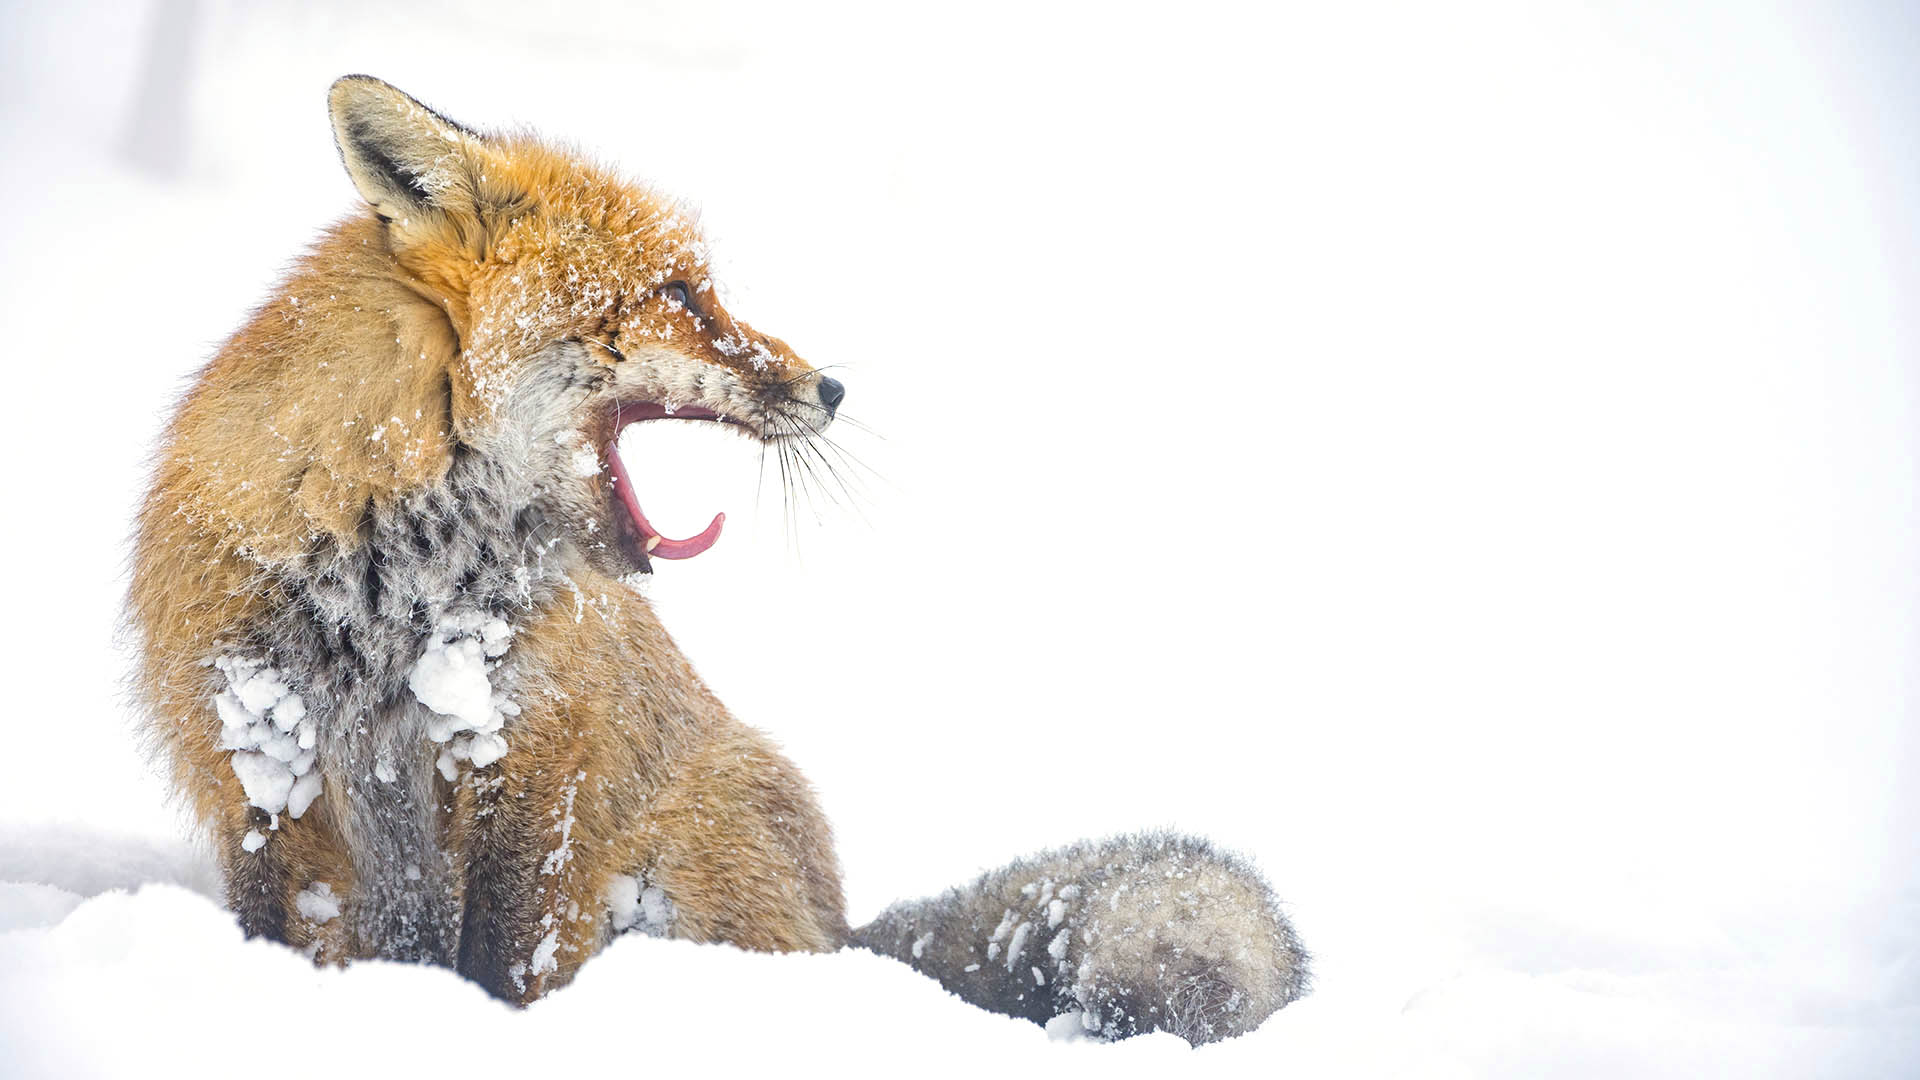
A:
[350, 618]
[348, 624]
[1154, 932]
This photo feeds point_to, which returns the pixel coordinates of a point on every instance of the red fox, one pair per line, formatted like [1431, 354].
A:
[388, 661]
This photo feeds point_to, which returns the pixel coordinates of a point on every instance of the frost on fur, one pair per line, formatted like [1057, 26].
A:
[1123, 937]
[317, 902]
[451, 679]
[634, 905]
[266, 725]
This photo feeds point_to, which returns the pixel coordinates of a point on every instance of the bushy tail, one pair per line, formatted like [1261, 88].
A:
[1117, 937]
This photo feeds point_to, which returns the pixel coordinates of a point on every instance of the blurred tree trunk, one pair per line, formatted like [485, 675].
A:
[156, 139]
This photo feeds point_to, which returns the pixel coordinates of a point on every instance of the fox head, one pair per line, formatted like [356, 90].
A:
[558, 303]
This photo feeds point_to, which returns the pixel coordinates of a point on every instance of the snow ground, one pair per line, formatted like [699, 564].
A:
[1464, 461]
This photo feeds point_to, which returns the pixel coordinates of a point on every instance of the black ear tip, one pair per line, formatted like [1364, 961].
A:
[348, 84]
[356, 93]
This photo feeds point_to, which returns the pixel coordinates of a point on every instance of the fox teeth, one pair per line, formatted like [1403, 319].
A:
[652, 542]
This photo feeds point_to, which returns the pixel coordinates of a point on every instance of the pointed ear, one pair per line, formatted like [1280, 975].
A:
[403, 157]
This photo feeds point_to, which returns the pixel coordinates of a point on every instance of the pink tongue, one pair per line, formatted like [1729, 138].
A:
[663, 548]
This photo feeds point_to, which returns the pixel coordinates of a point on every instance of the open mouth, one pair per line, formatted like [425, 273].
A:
[649, 541]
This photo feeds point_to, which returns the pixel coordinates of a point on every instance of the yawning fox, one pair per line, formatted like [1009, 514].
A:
[388, 659]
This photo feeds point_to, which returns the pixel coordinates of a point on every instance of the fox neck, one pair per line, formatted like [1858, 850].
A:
[358, 610]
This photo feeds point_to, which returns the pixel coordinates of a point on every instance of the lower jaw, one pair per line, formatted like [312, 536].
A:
[628, 541]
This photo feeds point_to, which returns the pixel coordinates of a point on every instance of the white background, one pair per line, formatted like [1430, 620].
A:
[1461, 457]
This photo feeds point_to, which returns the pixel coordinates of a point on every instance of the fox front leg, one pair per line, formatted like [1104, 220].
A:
[531, 888]
[256, 879]
[286, 880]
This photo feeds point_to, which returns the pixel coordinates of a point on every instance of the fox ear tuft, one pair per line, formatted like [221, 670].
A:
[402, 156]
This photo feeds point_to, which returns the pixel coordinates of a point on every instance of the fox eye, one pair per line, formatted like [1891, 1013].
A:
[676, 292]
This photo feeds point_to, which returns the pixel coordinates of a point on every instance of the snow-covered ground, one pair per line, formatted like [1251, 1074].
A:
[1463, 458]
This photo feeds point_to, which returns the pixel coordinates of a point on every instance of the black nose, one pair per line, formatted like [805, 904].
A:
[831, 394]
